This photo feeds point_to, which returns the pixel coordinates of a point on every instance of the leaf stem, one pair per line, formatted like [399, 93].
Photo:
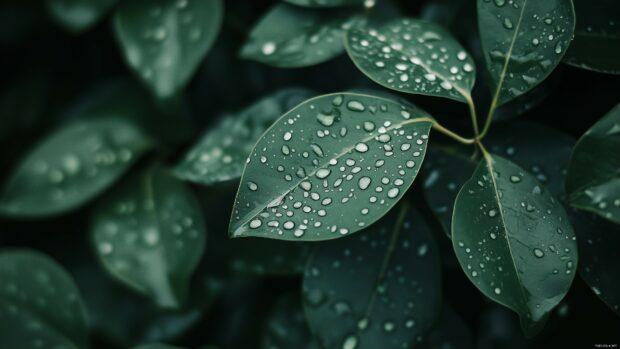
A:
[437, 126]
[473, 115]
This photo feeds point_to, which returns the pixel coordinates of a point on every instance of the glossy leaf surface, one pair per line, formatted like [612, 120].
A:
[77, 16]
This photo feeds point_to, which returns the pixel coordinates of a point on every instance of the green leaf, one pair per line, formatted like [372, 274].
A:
[413, 56]
[330, 167]
[377, 289]
[290, 37]
[156, 346]
[286, 326]
[514, 241]
[326, 3]
[72, 166]
[221, 153]
[41, 307]
[596, 45]
[149, 234]
[523, 41]
[164, 41]
[78, 16]
[593, 182]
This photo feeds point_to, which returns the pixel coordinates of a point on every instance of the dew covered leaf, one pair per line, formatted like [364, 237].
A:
[330, 167]
[286, 326]
[523, 41]
[40, 305]
[149, 234]
[593, 182]
[164, 41]
[289, 36]
[447, 168]
[377, 289]
[413, 56]
[77, 16]
[72, 166]
[325, 3]
[596, 45]
[221, 153]
[514, 241]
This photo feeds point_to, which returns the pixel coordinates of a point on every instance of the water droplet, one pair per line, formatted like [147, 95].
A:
[350, 343]
[392, 193]
[323, 173]
[255, 223]
[538, 253]
[252, 186]
[497, 290]
[515, 179]
[268, 48]
[361, 147]
[355, 106]
[364, 182]
[492, 213]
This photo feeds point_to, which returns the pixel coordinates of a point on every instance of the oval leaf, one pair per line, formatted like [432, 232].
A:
[286, 326]
[221, 153]
[40, 306]
[149, 234]
[523, 41]
[378, 289]
[514, 240]
[289, 36]
[413, 56]
[593, 182]
[331, 166]
[325, 3]
[72, 166]
[164, 41]
[77, 16]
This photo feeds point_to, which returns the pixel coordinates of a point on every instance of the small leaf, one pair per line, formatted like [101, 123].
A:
[72, 166]
[413, 56]
[41, 307]
[523, 41]
[593, 182]
[78, 16]
[156, 346]
[290, 36]
[221, 153]
[286, 326]
[377, 289]
[164, 41]
[149, 235]
[514, 240]
[326, 3]
[330, 167]
[596, 45]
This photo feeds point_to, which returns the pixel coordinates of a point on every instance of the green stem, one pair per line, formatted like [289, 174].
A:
[487, 123]
[437, 126]
[473, 115]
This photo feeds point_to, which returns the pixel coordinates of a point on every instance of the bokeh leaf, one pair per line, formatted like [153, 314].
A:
[221, 153]
[413, 56]
[377, 289]
[330, 167]
[514, 241]
[164, 41]
[149, 234]
[286, 326]
[289, 36]
[72, 166]
[523, 41]
[593, 182]
[40, 305]
[77, 16]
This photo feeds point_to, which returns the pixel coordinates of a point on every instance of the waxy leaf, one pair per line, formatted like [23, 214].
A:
[149, 234]
[286, 326]
[290, 36]
[413, 56]
[377, 289]
[164, 41]
[593, 182]
[325, 3]
[72, 166]
[330, 167]
[77, 16]
[40, 307]
[514, 241]
[523, 41]
[596, 45]
[221, 153]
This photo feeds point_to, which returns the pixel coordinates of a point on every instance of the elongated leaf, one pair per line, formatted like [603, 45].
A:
[330, 167]
[72, 166]
[413, 56]
[39, 303]
[325, 3]
[77, 16]
[286, 326]
[221, 153]
[514, 240]
[593, 182]
[289, 36]
[523, 41]
[378, 289]
[596, 45]
[149, 234]
[164, 41]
